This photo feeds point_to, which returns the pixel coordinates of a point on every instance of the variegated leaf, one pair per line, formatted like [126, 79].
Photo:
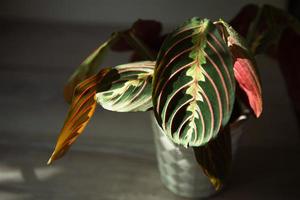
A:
[127, 88]
[81, 110]
[193, 86]
[244, 68]
[88, 67]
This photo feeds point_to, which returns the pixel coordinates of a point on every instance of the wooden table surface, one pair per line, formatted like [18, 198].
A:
[115, 158]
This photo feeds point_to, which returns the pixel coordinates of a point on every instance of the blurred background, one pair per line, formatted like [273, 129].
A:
[41, 43]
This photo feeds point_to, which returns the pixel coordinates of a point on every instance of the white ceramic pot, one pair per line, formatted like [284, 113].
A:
[179, 170]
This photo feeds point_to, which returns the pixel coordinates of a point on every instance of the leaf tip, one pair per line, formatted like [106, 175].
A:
[257, 109]
[50, 160]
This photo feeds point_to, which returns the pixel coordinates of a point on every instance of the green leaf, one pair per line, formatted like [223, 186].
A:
[127, 88]
[88, 67]
[193, 86]
[215, 158]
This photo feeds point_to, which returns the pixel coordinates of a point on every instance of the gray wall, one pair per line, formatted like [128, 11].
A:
[123, 12]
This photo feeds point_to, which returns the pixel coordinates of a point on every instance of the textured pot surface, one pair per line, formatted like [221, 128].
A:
[178, 167]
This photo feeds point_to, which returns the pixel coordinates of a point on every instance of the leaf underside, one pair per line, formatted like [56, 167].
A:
[244, 68]
[193, 86]
[127, 88]
[80, 112]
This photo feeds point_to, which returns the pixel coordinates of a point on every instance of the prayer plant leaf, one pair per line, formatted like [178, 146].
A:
[127, 88]
[193, 84]
[215, 158]
[80, 112]
[148, 31]
[268, 26]
[88, 67]
[242, 21]
[244, 67]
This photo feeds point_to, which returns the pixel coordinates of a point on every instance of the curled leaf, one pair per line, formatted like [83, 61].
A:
[80, 112]
[244, 67]
[127, 88]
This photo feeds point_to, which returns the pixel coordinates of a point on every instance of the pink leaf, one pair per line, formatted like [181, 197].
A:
[244, 66]
[247, 78]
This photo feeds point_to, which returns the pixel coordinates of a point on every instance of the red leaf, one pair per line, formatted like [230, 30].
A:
[247, 78]
[244, 66]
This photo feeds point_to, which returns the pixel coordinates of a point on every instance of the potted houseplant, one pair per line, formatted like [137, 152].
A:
[211, 56]
[200, 82]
